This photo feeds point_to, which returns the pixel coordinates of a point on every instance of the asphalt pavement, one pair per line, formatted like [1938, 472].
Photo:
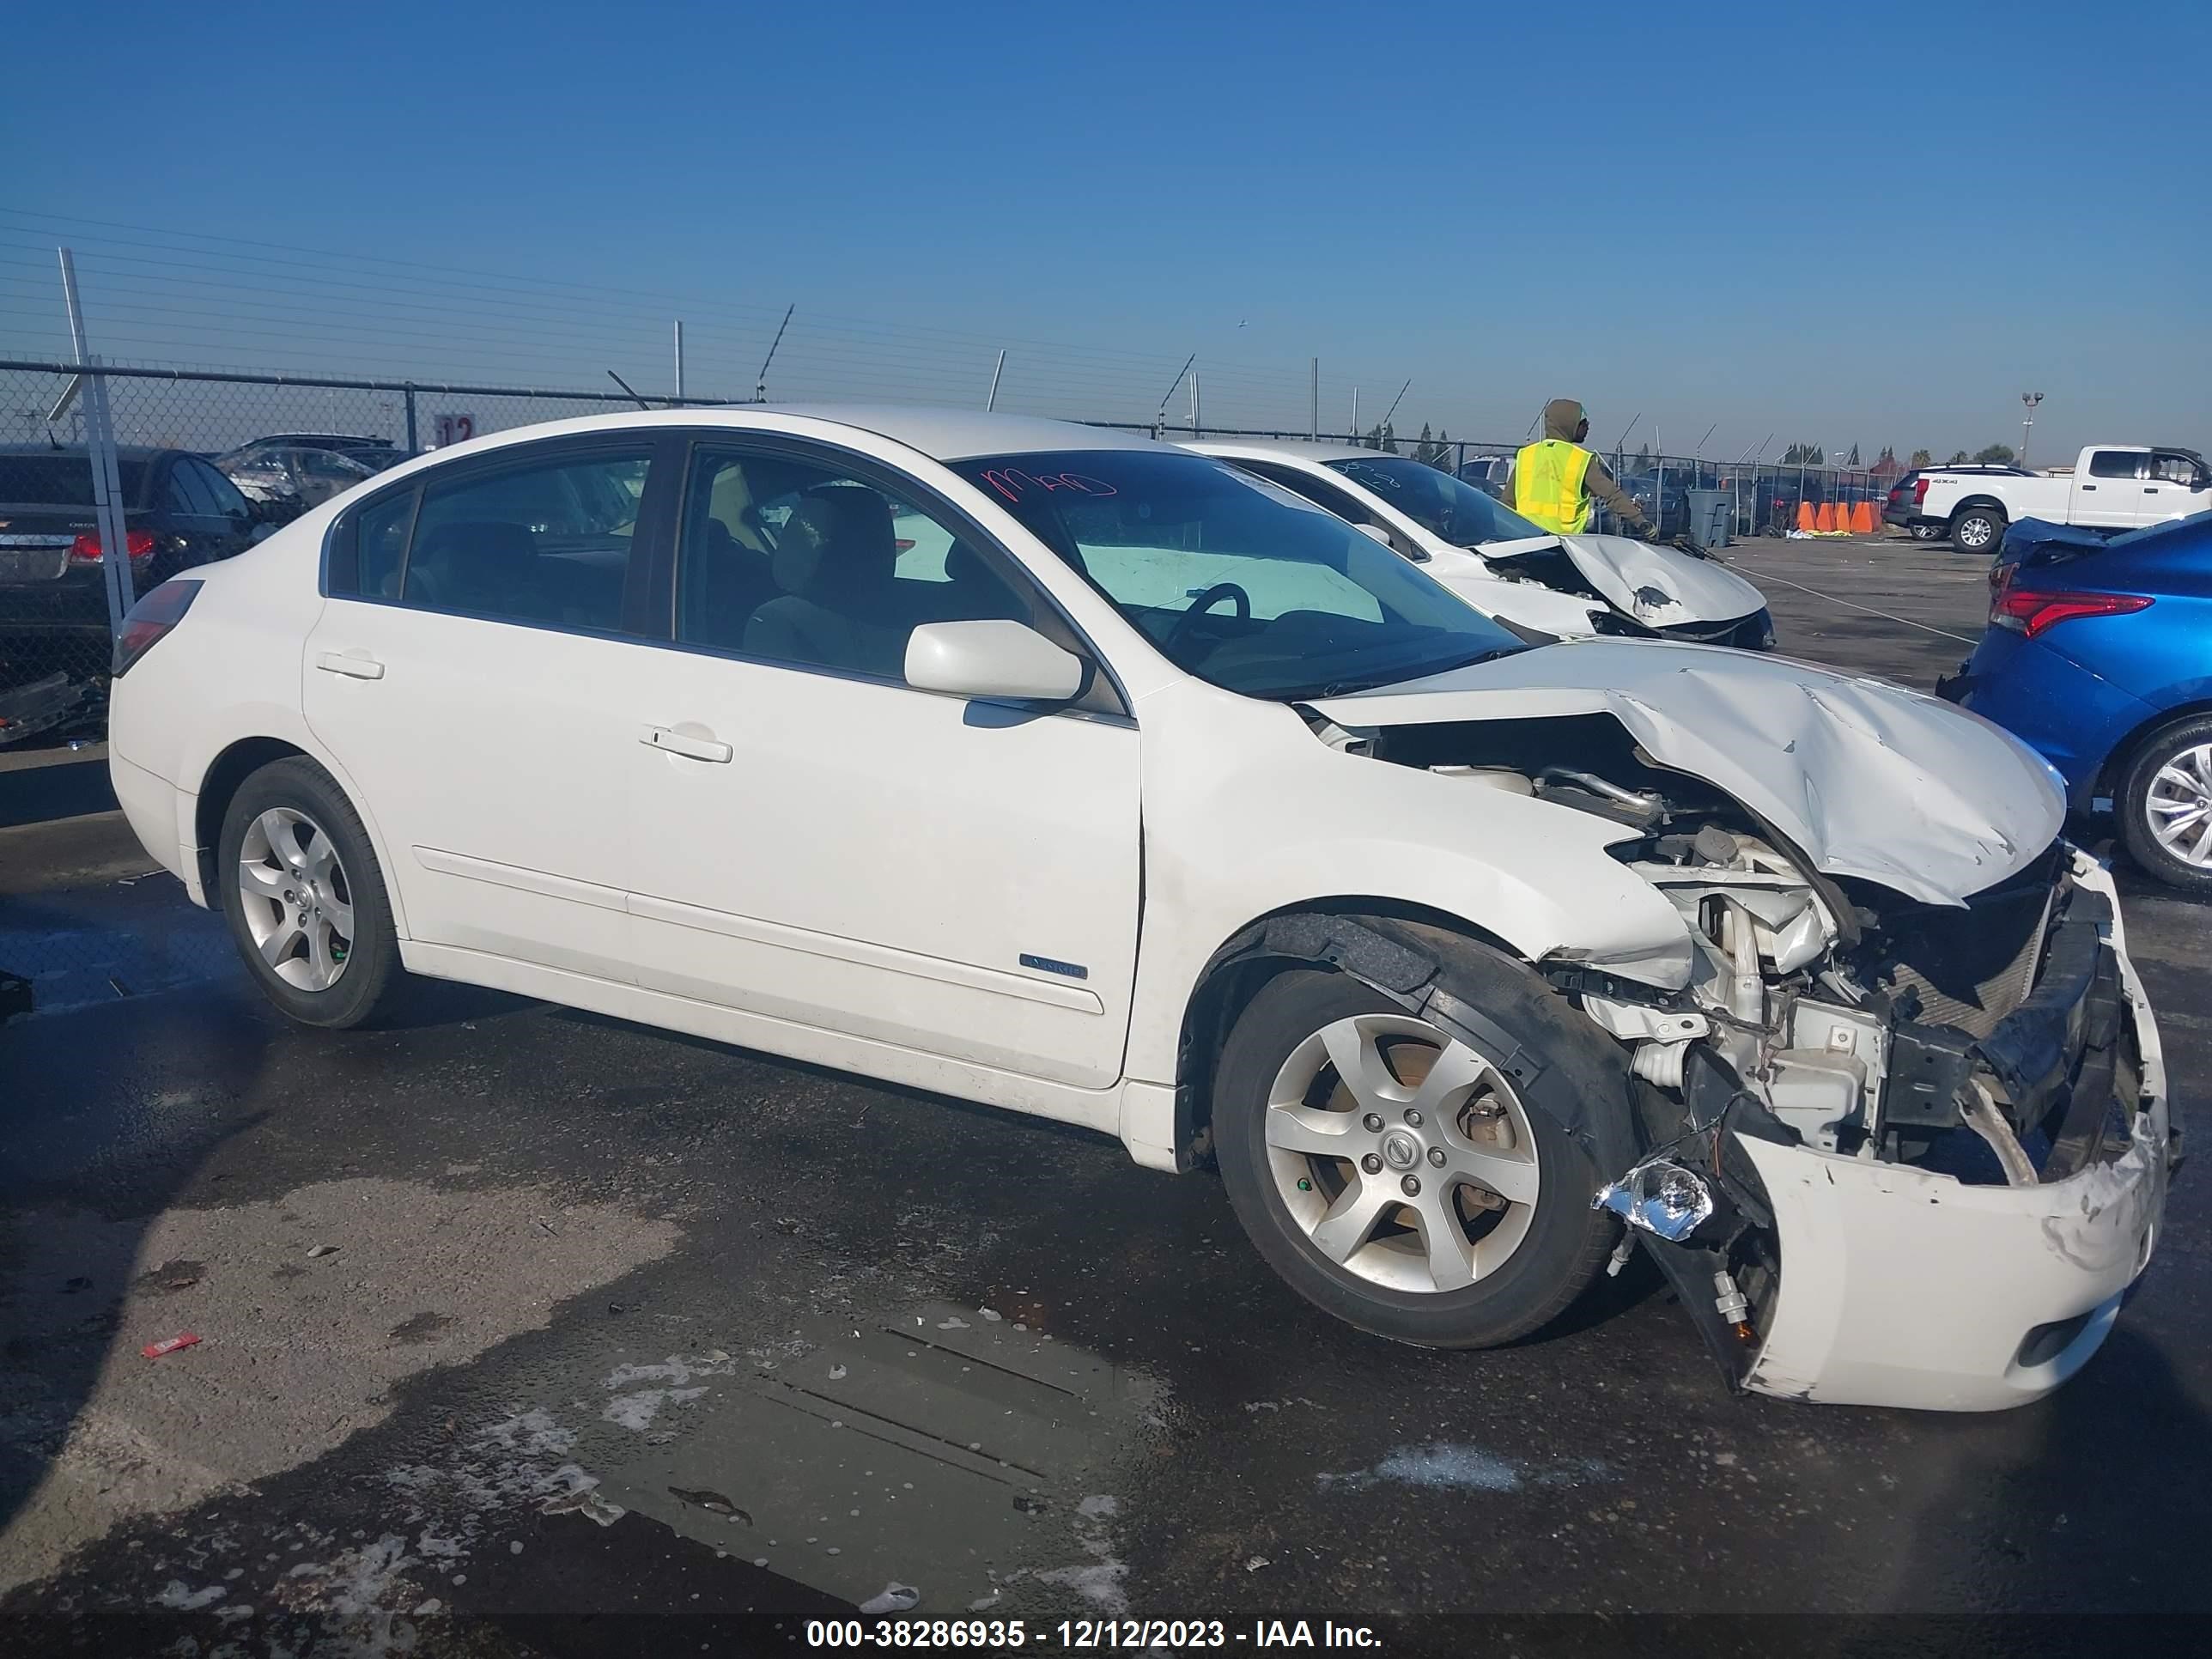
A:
[521, 1330]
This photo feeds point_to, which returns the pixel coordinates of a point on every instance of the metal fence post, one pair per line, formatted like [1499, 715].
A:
[412, 446]
[107, 499]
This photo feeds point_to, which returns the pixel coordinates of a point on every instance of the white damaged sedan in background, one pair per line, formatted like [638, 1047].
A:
[1507, 566]
[1079, 775]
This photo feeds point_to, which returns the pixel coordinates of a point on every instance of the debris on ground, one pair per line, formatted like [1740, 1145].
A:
[170, 1345]
[1256, 1563]
[586, 1503]
[991, 1314]
[316, 1251]
[837, 1373]
[894, 1598]
[1030, 1503]
[713, 1501]
[955, 1323]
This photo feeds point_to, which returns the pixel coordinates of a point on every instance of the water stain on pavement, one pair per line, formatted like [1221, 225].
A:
[284, 1370]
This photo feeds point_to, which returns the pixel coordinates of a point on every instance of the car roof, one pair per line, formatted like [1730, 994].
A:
[943, 434]
[1298, 449]
[123, 452]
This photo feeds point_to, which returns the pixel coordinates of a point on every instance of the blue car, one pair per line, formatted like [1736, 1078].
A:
[2099, 655]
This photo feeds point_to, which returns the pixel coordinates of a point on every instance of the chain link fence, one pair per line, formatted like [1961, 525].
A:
[209, 462]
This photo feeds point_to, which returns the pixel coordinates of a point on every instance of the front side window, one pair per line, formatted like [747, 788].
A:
[1234, 579]
[1440, 503]
[796, 562]
[2115, 463]
[2177, 466]
[536, 541]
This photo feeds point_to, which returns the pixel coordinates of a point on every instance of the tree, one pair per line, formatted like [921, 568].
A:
[1994, 455]
[1444, 450]
[1424, 447]
[1804, 455]
[1958, 459]
[1921, 458]
[1642, 456]
[1854, 460]
[1384, 437]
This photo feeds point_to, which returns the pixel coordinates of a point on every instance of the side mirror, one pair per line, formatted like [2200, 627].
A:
[1380, 534]
[991, 659]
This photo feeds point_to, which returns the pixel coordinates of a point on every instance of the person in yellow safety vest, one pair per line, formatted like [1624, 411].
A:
[1555, 478]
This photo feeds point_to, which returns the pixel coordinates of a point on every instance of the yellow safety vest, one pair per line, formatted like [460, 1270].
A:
[1547, 485]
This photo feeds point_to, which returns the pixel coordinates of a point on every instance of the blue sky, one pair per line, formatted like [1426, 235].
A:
[1870, 226]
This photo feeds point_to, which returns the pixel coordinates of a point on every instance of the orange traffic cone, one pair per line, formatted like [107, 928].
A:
[1863, 518]
[1825, 523]
[1805, 517]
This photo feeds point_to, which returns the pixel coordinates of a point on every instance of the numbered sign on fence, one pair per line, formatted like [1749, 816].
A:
[455, 429]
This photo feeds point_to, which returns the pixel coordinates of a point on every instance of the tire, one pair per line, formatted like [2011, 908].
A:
[1531, 1261]
[316, 933]
[1977, 530]
[2169, 782]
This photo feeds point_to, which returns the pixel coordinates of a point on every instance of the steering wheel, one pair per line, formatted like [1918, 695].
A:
[1199, 606]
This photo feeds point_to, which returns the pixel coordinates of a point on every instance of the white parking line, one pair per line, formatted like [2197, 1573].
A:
[1832, 598]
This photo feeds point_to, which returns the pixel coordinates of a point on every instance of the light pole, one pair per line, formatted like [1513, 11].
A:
[2030, 399]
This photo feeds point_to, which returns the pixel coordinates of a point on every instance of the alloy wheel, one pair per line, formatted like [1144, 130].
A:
[297, 902]
[1403, 1156]
[2179, 806]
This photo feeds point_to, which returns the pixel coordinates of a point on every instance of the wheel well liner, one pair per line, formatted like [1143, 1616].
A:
[225, 774]
[1990, 501]
[1404, 953]
[2123, 753]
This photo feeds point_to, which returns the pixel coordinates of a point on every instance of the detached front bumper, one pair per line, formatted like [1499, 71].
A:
[1899, 1286]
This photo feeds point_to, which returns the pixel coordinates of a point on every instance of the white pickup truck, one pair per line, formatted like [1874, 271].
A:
[2110, 487]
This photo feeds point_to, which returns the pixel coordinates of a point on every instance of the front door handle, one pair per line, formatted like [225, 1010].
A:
[354, 665]
[679, 743]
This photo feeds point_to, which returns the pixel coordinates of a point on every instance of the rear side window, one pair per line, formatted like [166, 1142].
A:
[546, 540]
[219, 490]
[2115, 463]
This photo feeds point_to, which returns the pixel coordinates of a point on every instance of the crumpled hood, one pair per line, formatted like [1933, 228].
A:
[1662, 586]
[1865, 779]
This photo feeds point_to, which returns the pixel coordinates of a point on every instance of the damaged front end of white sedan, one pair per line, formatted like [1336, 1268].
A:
[1901, 1096]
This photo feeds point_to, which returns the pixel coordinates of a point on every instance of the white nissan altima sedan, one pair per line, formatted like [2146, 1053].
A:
[1082, 776]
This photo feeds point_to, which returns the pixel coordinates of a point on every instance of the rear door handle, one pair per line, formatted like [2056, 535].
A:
[677, 743]
[354, 665]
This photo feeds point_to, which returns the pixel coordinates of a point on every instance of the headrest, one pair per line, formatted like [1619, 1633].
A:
[836, 539]
[490, 544]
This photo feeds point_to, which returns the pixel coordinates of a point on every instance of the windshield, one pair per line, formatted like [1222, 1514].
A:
[48, 479]
[1441, 504]
[1235, 581]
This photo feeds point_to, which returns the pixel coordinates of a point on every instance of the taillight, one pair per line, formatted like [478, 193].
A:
[86, 550]
[151, 619]
[1919, 491]
[2030, 611]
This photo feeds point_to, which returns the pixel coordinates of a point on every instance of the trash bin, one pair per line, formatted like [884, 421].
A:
[1713, 514]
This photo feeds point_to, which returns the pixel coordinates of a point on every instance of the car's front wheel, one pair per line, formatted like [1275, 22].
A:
[304, 898]
[2165, 806]
[1398, 1178]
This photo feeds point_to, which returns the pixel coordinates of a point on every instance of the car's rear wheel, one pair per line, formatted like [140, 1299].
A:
[304, 898]
[1978, 530]
[1397, 1177]
[2165, 806]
